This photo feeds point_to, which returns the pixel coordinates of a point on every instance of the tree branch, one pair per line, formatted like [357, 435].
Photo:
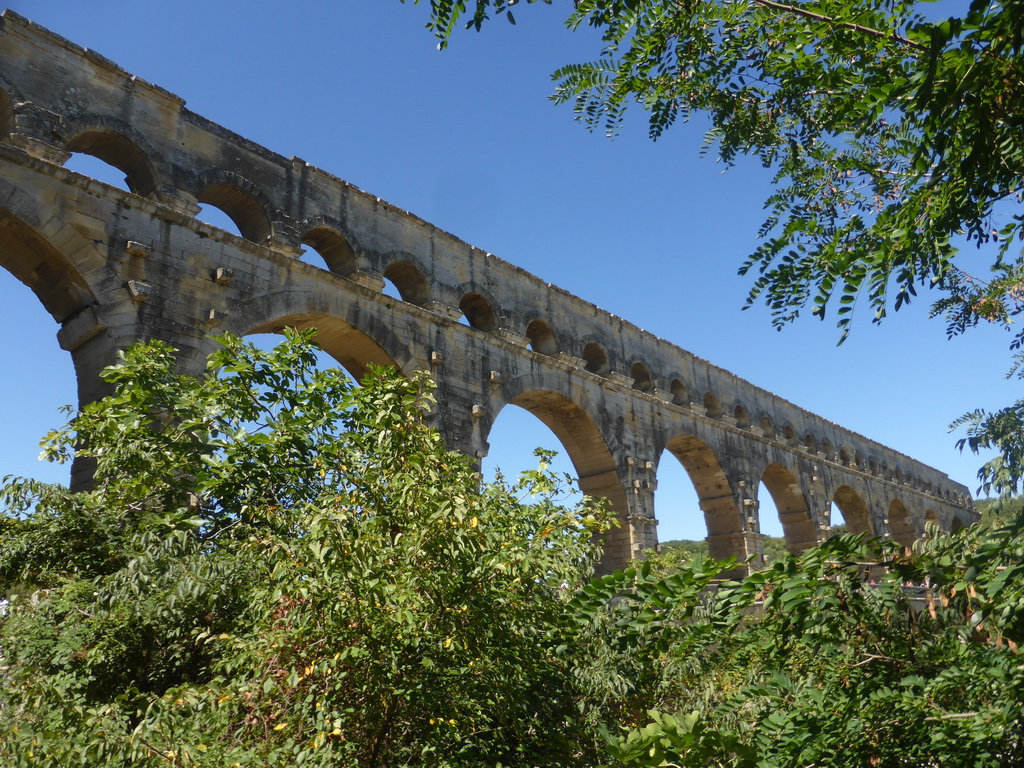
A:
[844, 24]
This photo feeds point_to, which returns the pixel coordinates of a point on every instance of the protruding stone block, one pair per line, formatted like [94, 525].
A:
[446, 310]
[576, 362]
[139, 290]
[77, 330]
[368, 279]
[223, 275]
[135, 248]
[515, 338]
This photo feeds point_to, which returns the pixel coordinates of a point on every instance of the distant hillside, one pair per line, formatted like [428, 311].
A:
[679, 552]
[997, 511]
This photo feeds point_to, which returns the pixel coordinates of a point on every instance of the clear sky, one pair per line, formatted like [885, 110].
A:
[467, 139]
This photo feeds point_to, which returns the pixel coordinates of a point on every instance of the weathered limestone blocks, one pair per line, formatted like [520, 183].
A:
[113, 266]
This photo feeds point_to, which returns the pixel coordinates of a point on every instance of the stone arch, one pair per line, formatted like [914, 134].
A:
[712, 406]
[551, 400]
[642, 379]
[409, 280]
[6, 113]
[542, 338]
[855, 511]
[244, 203]
[678, 392]
[44, 253]
[788, 433]
[722, 515]
[47, 254]
[767, 427]
[479, 311]
[957, 523]
[794, 511]
[345, 330]
[326, 239]
[596, 359]
[846, 456]
[900, 525]
[116, 143]
[810, 444]
[739, 413]
[53, 278]
[826, 449]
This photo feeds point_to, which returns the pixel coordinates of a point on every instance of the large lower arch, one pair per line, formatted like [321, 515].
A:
[587, 449]
[353, 336]
[49, 257]
[354, 350]
[725, 529]
[794, 511]
[34, 247]
[855, 511]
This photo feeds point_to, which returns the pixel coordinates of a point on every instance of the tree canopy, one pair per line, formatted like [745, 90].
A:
[894, 132]
[278, 568]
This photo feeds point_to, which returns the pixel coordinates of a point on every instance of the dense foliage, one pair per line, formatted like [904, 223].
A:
[895, 134]
[276, 568]
[828, 660]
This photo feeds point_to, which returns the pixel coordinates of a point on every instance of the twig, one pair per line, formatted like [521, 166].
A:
[844, 24]
[157, 752]
[874, 657]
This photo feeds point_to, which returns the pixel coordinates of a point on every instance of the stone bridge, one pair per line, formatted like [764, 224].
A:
[113, 266]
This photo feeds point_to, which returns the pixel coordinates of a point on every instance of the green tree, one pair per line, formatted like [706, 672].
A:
[896, 139]
[279, 568]
[826, 659]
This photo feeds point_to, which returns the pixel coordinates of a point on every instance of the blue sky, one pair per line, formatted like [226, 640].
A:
[467, 139]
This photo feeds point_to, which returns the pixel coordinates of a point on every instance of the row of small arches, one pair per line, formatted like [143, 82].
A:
[249, 208]
[845, 456]
[250, 211]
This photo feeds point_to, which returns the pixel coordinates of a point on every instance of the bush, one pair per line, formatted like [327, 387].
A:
[278, 568]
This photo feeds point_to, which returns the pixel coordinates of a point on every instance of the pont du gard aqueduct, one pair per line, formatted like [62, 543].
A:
[114, 266]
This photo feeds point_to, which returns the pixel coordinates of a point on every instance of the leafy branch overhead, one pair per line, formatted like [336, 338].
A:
[896, 138]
